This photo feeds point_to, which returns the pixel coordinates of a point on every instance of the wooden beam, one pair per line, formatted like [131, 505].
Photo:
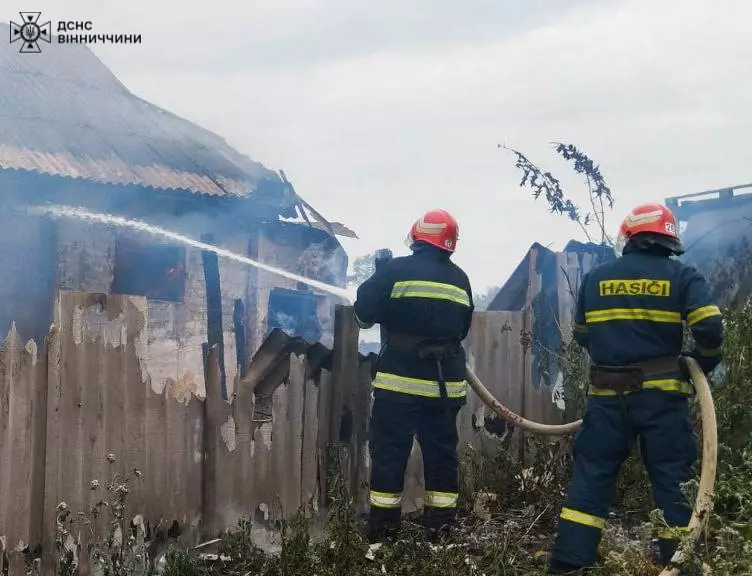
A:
[238, 317]
[215, 334]
[345, 371]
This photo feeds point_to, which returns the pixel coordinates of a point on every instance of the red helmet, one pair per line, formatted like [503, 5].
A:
[436, 227]
[655, 219]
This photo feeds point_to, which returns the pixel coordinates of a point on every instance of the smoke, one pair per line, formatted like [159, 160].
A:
[27, 275]
[83, 249]
[157, 231]
[286, 322]
[718, 236]
[318, 261]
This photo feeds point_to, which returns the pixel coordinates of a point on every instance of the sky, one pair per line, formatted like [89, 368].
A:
[379, 111]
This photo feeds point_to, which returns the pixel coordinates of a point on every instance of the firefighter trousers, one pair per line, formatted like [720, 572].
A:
[394, 424]
[669, 450]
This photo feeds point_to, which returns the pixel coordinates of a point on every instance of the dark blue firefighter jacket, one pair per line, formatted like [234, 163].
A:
[634, 308]
[424, 295]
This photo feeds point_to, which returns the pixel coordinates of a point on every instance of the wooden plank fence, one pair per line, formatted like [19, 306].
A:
[80, 411]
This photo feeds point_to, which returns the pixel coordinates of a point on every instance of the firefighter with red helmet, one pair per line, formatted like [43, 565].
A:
[424, 305]
[630, 316]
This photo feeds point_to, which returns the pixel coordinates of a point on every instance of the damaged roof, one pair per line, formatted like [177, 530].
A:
[64, 113]
[512, 296]
[688, 205]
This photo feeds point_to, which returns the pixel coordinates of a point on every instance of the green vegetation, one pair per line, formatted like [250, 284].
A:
[509, 510]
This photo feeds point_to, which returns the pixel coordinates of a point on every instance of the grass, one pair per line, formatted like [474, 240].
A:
[508, 510]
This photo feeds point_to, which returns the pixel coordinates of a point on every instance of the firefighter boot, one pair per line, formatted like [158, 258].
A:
[383, 529]
[558, 567]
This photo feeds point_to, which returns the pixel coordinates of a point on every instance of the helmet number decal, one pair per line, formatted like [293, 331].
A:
[670, 228]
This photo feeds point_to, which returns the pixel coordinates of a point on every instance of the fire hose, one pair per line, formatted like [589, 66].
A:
[703, 503]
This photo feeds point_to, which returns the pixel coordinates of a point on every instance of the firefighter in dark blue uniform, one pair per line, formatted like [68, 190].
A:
[630, 316]
[424, 305]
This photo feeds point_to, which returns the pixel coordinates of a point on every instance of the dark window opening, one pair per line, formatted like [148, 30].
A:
[295, 312]
[263, 407]
[156, 271]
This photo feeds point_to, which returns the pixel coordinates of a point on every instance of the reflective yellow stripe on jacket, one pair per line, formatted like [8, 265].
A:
[702, 313]
[633, 314]
[418, 386]
[664, 316]
[436, 290]
[665, 385]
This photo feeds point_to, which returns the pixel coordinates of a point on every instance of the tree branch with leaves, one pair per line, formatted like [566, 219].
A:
[363, 268]
[546, 184]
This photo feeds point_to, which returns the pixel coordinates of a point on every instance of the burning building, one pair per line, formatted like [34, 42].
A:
[72, 134]
[714, 221]
[716, 228]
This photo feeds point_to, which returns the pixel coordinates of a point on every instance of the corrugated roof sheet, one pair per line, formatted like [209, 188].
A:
[62, 112]
[335, 228]
[513, 293]
[262, 371]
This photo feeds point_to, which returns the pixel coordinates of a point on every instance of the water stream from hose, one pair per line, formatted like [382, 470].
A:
[61, 211]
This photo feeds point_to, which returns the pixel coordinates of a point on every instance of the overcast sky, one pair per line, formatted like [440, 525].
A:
[378, 111]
